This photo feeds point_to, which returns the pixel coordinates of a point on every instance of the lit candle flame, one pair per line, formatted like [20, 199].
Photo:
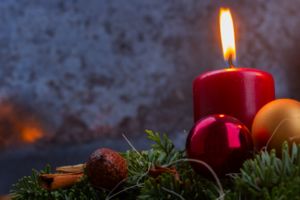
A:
[227, 36]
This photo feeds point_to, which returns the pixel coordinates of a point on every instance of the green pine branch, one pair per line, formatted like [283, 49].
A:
[266, 176]
[270, 177]
[29, 188]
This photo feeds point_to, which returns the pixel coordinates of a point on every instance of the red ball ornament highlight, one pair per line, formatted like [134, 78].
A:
[221, 141]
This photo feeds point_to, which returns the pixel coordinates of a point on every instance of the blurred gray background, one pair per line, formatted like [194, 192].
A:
[76, 74]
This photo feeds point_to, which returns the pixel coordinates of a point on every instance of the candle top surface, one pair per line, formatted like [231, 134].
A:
[234, 70]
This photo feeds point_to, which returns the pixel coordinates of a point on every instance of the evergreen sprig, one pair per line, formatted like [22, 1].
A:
[29, 188]
[270, 177]
[266, 176]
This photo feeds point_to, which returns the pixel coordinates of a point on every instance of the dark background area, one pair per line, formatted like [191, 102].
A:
[75, 75]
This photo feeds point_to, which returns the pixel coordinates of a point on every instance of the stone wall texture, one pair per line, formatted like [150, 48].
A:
[84, 72]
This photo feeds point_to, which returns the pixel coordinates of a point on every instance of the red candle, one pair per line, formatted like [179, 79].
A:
[238, 92]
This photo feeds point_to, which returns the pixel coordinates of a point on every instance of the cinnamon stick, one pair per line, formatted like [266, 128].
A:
[65, 176]
[59, 181]
[71, 168]
[158, 170]
[6, 197]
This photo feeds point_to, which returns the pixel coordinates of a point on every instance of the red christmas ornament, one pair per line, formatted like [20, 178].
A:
[221, 141]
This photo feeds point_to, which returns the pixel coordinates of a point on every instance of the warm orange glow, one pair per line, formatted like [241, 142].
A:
[18, 125]
[31, 134]
[227, 35]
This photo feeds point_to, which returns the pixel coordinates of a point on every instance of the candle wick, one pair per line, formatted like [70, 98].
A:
[230, 61]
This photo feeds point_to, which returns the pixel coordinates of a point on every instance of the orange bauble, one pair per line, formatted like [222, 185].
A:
[276, 122]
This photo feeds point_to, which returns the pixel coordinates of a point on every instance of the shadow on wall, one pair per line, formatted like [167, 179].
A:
[22, 125]
[293, 73]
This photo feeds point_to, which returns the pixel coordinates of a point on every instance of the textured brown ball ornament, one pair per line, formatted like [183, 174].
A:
[106, 168]
[276, 122]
